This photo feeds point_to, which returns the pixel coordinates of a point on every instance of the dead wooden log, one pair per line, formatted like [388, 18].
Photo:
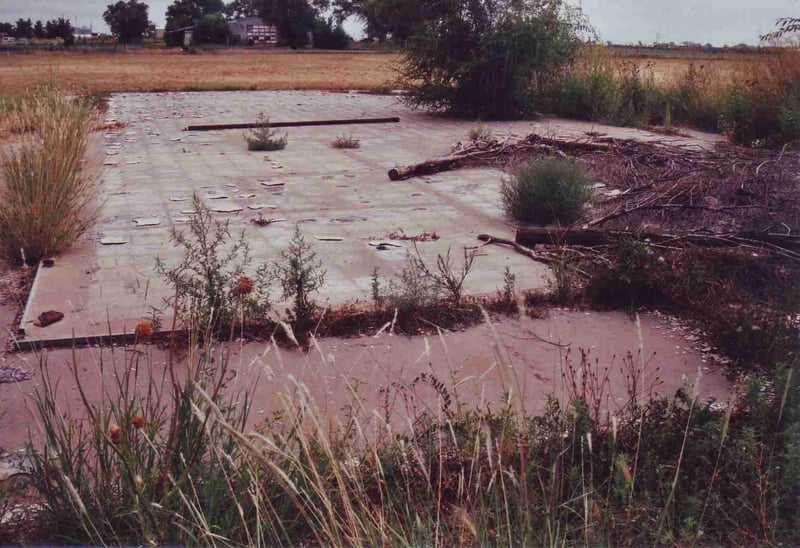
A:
[427, 168]
[530, 237]
[481, 151]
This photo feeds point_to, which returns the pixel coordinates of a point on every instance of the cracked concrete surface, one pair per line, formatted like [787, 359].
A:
[341, 199]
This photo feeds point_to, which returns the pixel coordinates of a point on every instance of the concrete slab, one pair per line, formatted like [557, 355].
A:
[344, 196]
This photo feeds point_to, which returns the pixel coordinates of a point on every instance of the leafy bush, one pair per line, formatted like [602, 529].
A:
[546, 191]
[262, 138]
[48, 197]
[478, 59]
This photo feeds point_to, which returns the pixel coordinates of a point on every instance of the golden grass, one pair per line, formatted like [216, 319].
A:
[171, 70]
[176, 71]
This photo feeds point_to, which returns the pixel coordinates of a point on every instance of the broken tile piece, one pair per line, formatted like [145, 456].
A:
[329, 238]
[272, 183]
[383, 243]
[147, 221]
[178, 199]
[215, 196]
[226, 208]
[256, 207]
[113, 240]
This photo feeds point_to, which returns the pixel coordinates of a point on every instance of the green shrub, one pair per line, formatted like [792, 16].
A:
[262, 138]
[546, 192]
[478, 59]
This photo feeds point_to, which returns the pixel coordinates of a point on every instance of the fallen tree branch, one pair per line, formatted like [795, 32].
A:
[522, 250]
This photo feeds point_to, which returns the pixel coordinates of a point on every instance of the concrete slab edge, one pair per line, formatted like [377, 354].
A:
[27, 310]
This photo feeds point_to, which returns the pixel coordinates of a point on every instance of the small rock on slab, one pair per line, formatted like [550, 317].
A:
[10, 374]
[147, 221]
[113, 240]
[49, 318]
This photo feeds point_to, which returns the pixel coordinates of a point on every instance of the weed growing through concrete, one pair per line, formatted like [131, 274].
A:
[300, 273]
[566, 276]
[446, 276]
[346, 141]
[375, 286]
[262, 138]
[214, 284]
[509, 286]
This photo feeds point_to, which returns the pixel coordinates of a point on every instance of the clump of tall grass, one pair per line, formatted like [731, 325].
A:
[47, 198]
[552, 190]
[762, 105]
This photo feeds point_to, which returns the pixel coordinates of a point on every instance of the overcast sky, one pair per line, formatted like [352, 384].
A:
[716, 21]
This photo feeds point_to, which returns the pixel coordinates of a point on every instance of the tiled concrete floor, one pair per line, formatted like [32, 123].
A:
[151, 168]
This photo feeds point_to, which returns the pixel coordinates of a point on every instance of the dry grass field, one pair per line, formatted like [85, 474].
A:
[176, 71]
[172, 70]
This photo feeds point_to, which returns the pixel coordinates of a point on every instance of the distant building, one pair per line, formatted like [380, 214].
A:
[253, 29]
[159, 34]
[83, 32]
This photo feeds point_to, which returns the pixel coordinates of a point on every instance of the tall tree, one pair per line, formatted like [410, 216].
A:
[60, 28]
[24, 28]
[127, 20]
[38, 29]
[187, 13]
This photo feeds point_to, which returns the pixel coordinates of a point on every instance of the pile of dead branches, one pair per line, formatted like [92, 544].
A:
[657, 186]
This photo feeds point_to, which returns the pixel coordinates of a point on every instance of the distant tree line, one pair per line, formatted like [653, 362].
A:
[299, 22]
[55, 28]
